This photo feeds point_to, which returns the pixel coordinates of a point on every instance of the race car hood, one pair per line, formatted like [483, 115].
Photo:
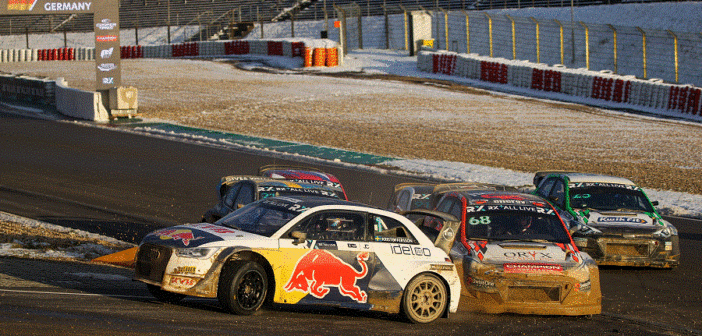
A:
[512, 254]
[194, 235]
[620, 221]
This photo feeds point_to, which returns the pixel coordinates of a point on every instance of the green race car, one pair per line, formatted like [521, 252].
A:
[611, 219]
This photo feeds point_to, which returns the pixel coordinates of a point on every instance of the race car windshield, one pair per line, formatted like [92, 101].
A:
[608, 198]
[260, 218]
[515, 225]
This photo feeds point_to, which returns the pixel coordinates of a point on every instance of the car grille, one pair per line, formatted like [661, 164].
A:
[533, 294]
[151, 262]
[631, 250]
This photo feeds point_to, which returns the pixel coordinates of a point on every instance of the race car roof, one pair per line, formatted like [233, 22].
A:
[311, 201]
[597, 178]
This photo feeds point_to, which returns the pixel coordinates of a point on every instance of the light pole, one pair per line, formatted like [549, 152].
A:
[572, 34]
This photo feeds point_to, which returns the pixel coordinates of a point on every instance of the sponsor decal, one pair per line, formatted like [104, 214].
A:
[184, 269]
[106, 53]
[420, 196]
[479, 283]
[108, 80]
[436, 267]
[533, 268]
[326, 245]
[182, 282]
[394, 239]
[106, 24]
[216, 228]
[529, 208]
[606, 185]
[107, 67]
[67, 6]
[318, 270]
[106, 38]
[271, 191]
[530, 255]
[185, 235]
[408, 250]
[504, 197]
[629, 220]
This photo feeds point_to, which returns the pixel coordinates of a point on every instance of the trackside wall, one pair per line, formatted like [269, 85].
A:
[601, 88]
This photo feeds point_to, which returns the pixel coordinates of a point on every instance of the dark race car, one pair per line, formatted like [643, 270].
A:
[514, 255]
[303, 250]
[611, 218]
[414, 195]
[239, 190]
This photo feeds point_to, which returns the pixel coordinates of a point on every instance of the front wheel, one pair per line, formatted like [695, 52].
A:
[243, 287]
[163, 295]
[425, 299]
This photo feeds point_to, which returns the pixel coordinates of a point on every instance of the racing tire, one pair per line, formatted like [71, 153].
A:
[163, 295]
[243, 287]
[425, 299]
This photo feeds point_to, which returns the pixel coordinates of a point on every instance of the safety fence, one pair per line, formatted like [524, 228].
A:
[644, 53]
[314, 53]
[601, 88]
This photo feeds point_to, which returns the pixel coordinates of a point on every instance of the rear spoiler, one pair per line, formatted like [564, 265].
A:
[448, 231]
[266, 168]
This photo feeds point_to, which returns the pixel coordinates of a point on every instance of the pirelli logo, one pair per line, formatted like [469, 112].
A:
[21, 5]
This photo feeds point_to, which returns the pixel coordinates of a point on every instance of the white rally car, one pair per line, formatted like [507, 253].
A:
[303, 250]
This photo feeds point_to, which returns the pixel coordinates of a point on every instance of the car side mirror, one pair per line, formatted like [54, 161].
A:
[299, 237]
[655, 203]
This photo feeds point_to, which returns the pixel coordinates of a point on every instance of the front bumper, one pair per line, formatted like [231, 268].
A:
[157, 265]
[533, 294]
[631, 251]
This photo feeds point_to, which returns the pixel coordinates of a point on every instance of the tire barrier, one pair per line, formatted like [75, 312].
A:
[444, 63]
[127, 52]
[236, 47]
[189, 49]
[603, 88]
[322, 53]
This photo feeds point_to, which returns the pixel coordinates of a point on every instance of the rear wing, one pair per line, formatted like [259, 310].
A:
[446, 235]
[266, 168]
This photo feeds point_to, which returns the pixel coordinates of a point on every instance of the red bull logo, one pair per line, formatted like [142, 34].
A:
[318, 270]
[177, 234]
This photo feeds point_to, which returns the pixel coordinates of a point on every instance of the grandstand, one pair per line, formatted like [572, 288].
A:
[215, 15]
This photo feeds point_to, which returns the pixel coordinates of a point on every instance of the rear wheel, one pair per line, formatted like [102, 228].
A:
[425, 299]
[243, 287]
[163, 295]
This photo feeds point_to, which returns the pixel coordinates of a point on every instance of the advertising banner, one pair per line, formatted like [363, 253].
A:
[106, 27]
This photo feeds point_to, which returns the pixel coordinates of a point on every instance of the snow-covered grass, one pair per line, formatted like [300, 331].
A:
[28, 238]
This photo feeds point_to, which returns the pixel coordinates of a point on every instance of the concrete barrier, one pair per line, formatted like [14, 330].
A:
[80, 104]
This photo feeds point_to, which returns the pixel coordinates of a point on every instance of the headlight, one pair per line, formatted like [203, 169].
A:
[196, 252]
[587, 230]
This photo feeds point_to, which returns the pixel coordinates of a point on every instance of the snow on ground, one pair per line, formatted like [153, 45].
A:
[28, 238]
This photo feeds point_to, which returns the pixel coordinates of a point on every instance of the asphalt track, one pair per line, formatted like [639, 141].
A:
[123, 184]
